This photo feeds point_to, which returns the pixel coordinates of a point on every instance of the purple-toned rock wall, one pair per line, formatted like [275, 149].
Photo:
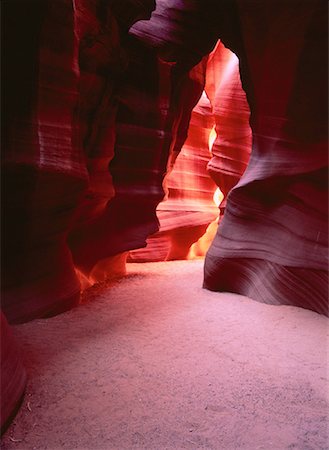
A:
[272, 241]
[43, 169]
[88, 133]
[97, 98]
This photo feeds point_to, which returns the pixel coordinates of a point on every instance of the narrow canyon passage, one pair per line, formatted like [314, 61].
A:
[153, 361]
[149, 134]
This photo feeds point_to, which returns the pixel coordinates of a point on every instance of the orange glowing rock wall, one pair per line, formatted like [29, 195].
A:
[232, 146]
[90, 127]
[188, 207]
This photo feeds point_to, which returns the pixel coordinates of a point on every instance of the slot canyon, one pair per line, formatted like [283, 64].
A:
[164, 224]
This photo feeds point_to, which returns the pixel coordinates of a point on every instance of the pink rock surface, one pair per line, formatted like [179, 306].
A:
[91, 125]
[275, 225]
[272, 242]
[232, 146]
[43, 169]
[151, 103]
[94, 116]
[188, 207]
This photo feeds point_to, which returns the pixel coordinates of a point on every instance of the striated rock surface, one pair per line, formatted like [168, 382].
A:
[43, 168]
[188, 207]
[13, 375]
[232, 146]
[137, 167]
[102, 61]
[275, 224]
[272, 242]
[88, 133]
[77, 106]
[92, 117]
[144, 115]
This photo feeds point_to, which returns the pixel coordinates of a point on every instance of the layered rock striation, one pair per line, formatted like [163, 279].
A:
[272, 242]
[88, 133]
[218, 144]
[188, 207]
[95, 115]
[43, 169]
[232, 146]
[90, 127]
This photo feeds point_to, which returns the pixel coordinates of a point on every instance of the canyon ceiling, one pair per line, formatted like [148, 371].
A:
[108, 107]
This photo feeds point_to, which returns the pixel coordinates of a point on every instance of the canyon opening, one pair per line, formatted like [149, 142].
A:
[164, 276]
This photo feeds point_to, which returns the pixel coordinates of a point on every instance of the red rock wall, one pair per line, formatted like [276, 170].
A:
[107, 223]
[91, 117]
[90, 126]
[43, 168]
[232, 147]
[153, 103]
[58, 142]
[188, 207]
[88, 133]
[272, 242]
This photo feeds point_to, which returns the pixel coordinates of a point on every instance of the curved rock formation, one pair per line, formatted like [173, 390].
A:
[94, 116]
[274, 233]
[151, 103]
[275, 224]
[88, 135]
[73, 164]
[43, 168]
[188, 207]
[64, 123]
[232, 146]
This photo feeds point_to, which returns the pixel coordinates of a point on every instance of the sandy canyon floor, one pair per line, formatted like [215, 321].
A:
[155, 362]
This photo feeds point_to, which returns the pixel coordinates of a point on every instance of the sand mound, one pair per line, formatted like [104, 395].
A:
[153, 361]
